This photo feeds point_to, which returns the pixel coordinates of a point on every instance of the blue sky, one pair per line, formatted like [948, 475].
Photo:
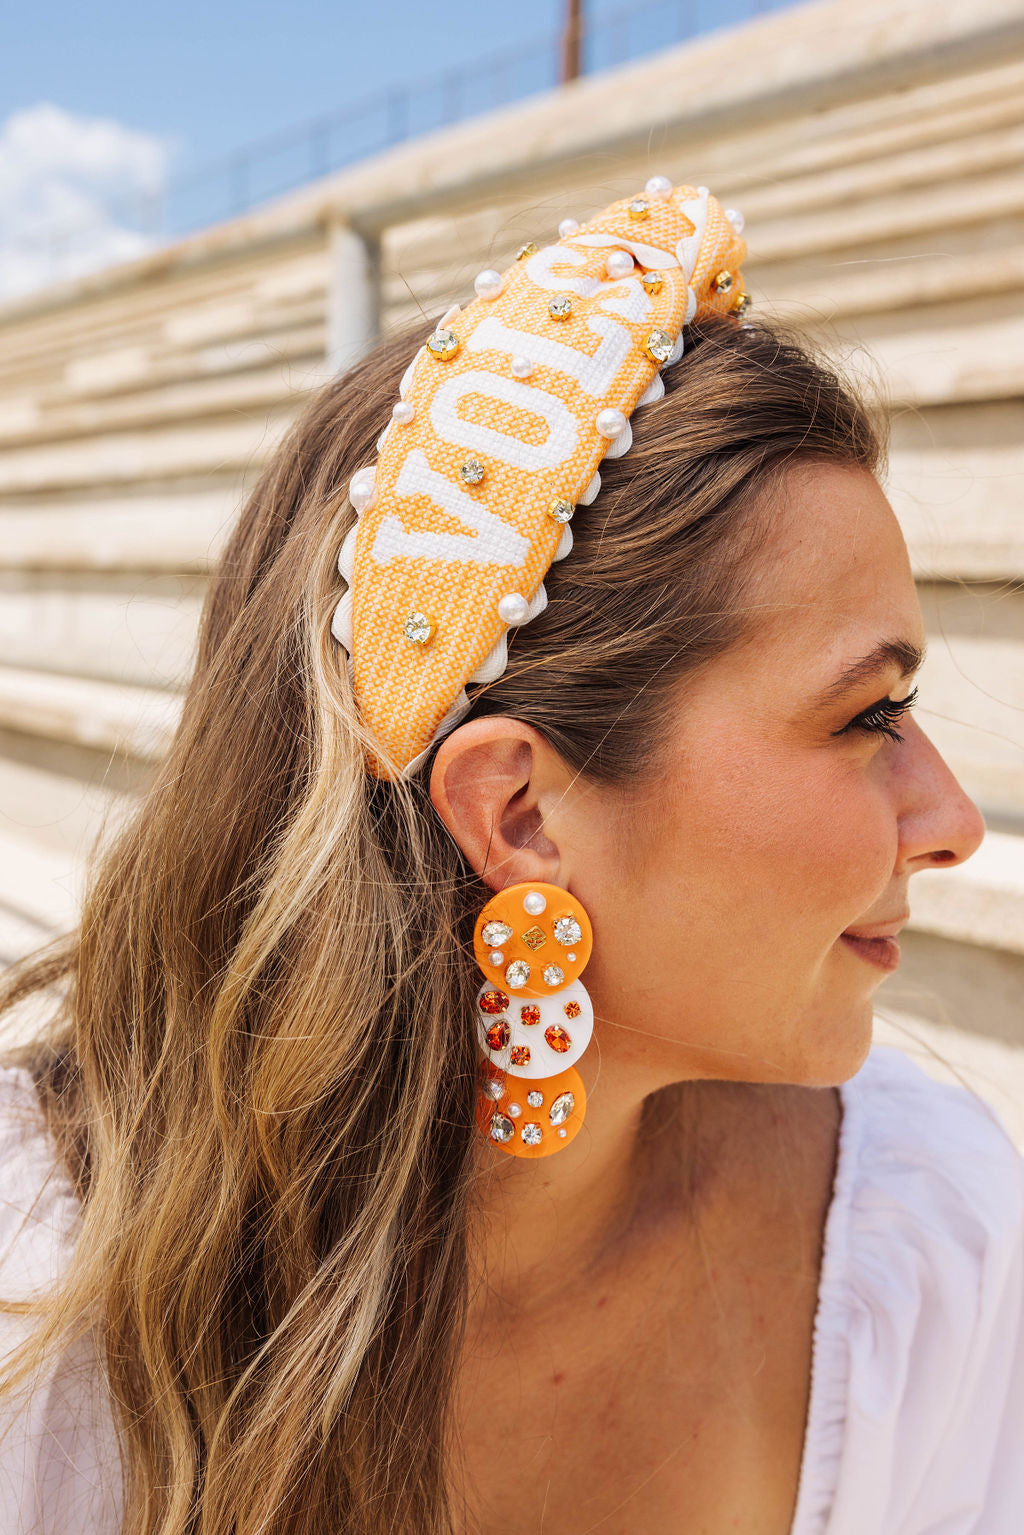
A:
[213, 74]
[106, 106]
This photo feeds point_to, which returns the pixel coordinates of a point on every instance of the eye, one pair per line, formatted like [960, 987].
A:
[882, 718]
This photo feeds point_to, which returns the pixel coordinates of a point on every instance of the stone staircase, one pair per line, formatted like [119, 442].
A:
[877, 155]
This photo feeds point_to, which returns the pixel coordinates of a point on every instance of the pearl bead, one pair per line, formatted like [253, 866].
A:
[610, 422]
[534, 903]
[403, 412]
[619, 265]
[659, 187]
[514, 1109]
[563, 1134]
[361, 489]
[703, 192]
[513, 609]
[522, 367]
[496, 957]
[736, 219]
[571, 958]
[568, 227]
[488, 283]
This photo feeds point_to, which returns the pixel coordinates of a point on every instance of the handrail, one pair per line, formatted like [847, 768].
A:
[268, 167]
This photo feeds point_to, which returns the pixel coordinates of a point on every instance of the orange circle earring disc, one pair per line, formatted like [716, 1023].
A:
[532, 939]
[531, 1119]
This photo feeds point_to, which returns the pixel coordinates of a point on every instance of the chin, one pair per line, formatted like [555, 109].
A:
[839, 1044]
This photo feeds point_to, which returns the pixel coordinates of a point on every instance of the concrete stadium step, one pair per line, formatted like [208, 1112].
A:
[136, 721]
[175, 528]
[980, 902]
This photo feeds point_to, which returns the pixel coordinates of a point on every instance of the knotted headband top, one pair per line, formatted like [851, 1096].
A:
[503, 418]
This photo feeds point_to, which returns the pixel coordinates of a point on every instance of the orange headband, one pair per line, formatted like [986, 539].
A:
[504, 416]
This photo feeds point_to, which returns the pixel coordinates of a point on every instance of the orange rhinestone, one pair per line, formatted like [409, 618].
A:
[558, 1039]
[572, 1010]
[497, 1035]
[530, 1014]
[493, 1002]
[520, 1055]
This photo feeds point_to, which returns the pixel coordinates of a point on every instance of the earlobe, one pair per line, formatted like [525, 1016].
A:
[484, 788]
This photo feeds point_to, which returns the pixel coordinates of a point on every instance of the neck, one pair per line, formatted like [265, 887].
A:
[542, 1227]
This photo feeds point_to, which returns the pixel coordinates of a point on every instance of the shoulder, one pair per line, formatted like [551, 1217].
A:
[936, 1150]
[38, 1209]
[59, 1470]
[919, 1340]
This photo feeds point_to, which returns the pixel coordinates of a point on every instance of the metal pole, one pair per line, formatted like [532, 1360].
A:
[572, 39]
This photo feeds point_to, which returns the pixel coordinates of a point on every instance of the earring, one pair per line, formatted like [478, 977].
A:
[534, 1017]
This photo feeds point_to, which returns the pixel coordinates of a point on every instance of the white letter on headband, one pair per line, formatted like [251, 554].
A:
[503, 420]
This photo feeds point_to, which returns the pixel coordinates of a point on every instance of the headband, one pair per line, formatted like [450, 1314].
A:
[503, 418]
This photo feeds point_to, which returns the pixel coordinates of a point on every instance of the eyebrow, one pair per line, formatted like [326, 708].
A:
[890, 653]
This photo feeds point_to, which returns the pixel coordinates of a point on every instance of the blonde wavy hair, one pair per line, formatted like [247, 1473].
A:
[261, 1072]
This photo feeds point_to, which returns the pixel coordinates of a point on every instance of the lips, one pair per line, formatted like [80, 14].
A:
[877, 942]
[891, 929]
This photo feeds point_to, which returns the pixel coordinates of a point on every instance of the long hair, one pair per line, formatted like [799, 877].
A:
[262, 1072]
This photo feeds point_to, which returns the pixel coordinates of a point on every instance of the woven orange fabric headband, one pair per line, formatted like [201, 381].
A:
[504, 417]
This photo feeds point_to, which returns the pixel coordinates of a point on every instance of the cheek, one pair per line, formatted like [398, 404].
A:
[805, 837]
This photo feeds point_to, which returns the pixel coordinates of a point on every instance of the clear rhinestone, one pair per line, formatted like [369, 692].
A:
[502, 1128]
[419, 627]
[472, 471]
[514, 1110]
[443, 343]
[517, 974]
[535, 938]
[554, 975]
[529, 249]
[741, 305]
[560, 510]
[561, 1108]
[722, 282]
[494, 1087]
[532, 1133]
[658, 346]
[652, 282]
[494, 934]
[534, 1098]
[560, 307]
[639, 208]
[567, 931]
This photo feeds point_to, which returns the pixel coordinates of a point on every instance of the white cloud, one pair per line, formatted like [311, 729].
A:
[76, 193]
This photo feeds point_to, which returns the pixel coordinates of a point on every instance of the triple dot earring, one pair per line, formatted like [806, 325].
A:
[534, 1017]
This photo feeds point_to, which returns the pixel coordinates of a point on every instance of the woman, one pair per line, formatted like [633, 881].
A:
[739, 1274]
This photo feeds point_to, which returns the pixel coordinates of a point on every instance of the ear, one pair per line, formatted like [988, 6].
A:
[490, 783]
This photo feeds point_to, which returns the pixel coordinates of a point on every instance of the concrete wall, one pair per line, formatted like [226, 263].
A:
[876, 153]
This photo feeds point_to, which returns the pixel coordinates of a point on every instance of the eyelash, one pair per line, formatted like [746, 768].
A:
[882, 718]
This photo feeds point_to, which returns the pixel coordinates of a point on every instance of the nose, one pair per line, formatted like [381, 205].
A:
[939, 824]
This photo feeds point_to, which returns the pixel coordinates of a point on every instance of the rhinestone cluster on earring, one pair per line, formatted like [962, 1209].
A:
[532, 941]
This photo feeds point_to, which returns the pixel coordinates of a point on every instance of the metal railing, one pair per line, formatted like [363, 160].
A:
[266, 168]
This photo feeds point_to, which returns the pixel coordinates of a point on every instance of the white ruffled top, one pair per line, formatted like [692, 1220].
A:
[916, 1418]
